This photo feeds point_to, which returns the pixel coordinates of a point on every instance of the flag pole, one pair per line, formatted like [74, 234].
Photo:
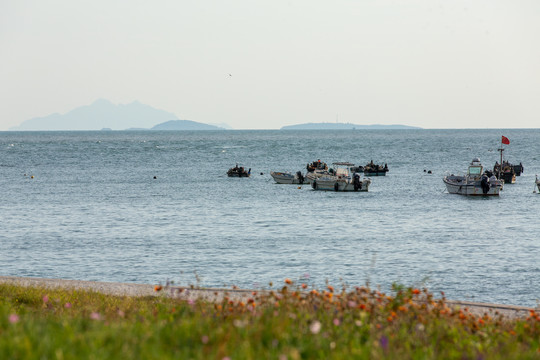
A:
[500, 164]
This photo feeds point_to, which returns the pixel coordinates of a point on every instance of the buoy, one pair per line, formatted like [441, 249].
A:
[429, 172]
[262, 174]
[155, 177]
[299, 187]
[31, 177]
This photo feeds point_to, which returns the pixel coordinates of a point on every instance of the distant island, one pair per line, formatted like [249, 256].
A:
[185, 125]
[104, 115]
[344, 126]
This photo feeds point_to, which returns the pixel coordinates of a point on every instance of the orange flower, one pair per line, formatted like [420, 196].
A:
[288, 281]
[389, 319]
[331, 288]
[158, 288]
[416, 291]
[304, 286]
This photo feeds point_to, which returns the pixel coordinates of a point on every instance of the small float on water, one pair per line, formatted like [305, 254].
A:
[340, 179]
[372, 169]
[238, 171]
[475, 183]
[287, 177]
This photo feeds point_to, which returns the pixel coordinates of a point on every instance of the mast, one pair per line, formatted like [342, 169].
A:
[500, 164]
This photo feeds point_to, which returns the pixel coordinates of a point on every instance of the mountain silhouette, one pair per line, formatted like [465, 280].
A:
[98, 115]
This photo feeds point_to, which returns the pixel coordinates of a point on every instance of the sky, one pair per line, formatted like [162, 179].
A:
[269, 63]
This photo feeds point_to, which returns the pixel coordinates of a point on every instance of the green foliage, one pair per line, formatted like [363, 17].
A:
[292, 323]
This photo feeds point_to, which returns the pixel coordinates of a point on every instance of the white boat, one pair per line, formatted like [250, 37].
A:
[288, 178]
[475, 183]
[341, 179]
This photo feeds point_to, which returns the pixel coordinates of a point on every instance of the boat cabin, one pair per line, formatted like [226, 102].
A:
[475, 169]
[341, 169]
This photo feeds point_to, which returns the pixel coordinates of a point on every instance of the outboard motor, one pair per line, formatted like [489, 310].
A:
[356, 182]
[300, 177]
[485, 184]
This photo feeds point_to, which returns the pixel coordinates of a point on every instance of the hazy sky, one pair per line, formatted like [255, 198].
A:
[428, 63]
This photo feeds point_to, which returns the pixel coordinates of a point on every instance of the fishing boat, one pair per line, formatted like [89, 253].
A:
[341, 179]
[372, 169]
[475, 183]
[238, 171]
[287, 177]
[505, 171]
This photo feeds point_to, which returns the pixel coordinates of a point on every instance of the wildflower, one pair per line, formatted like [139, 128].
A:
[288, 281]
[416, 291]
[205, 339]
[45, 299]
[304, 286]
[158, 288]
[95, 316]
[191, 301]
[315, 327]
[352, 304]
[383, 341]
[67, 305]
[330, 288]
[336, 322]
[14, 318]
[332, 345]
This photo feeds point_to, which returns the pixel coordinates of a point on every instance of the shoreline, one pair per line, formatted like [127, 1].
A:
[217, 294]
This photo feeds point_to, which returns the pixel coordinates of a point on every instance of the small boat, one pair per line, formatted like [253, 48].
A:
[372, 169]
[288, 178]
[238, 172]
[315, 170]
[475, 183]
[505, 172]
[316, 166]
[538, 183]
[518, 169]
[341, 179]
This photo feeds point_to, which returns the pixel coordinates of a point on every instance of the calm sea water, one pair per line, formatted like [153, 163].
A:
[94, 211]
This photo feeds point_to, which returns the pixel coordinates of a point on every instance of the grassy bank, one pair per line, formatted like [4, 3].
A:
[292, 323]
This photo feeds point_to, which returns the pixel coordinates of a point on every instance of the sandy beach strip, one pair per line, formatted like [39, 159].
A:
[187, 293]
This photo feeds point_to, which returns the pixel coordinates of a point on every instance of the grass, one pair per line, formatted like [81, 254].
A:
[292, 323]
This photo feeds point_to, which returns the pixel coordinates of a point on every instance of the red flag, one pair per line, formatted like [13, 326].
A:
[505, 140]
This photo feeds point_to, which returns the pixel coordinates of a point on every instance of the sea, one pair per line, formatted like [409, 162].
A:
[157, 207]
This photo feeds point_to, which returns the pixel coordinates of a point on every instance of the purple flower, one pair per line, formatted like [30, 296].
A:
[383, 341]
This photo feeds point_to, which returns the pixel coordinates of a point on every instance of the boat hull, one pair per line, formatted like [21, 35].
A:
[339, 185]
[454, 186]
[509, 178]
[285, 178]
